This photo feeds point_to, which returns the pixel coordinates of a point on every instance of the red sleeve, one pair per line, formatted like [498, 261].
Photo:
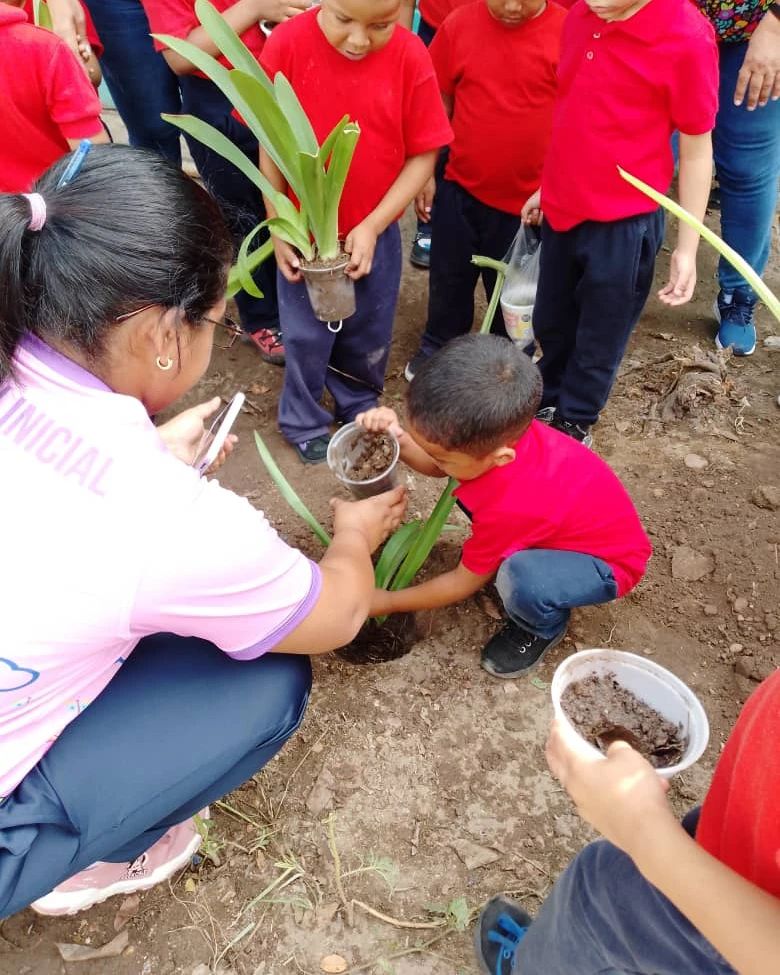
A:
[272, 59]
[442, 55]
[71, 100]
[740, 816]
[92, 35]
[695, 80]
[426, 125]
[175, 17]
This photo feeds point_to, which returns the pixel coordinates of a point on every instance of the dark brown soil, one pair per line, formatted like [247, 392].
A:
[320, 264]
[374, 458]
[603, 711]
[378, 644]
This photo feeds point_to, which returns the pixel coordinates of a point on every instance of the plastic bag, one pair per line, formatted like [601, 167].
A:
[519, 292]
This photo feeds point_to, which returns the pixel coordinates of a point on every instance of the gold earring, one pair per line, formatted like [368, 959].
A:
[165, 366]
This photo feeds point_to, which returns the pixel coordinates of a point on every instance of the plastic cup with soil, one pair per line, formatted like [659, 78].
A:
[610, 695]
[331, 292]
[364, 462]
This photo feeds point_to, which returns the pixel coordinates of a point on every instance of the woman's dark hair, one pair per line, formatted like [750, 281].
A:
[129, 230]
[475, 394]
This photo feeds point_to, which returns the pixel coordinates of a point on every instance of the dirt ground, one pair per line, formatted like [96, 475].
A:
[416, 789]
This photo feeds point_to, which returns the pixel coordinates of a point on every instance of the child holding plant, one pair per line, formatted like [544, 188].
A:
[496, 158]
[48, 105]
[350, 57]
[631, 73]
[550, 520]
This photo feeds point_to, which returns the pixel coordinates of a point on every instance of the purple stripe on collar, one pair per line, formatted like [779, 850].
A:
[302, 610]
[60, 363]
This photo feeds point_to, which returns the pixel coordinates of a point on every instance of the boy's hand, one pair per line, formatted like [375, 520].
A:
[682, 279]
[277, 11]
[375, 518]
[287, 260]
[360, 245]
[532, 212]
[381, 603]
[423, 202]
[380, 420]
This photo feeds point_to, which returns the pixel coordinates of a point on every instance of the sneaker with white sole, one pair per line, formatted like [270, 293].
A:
[734, 313]
[102, 880]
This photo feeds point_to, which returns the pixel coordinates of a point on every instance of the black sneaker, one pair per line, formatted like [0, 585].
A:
[514, 651]
[413, 365]
[420, 254]
[501, 927]
[573, 430]
[313, 451]
[546, 415]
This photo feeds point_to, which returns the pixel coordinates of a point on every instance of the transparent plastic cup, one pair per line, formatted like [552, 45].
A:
[343, 450]
[651, 683]
[518, 322]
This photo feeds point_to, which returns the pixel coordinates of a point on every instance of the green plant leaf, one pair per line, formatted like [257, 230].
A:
[500, 268]
[293, 233]
[421, 549]
[394, 552]
[295, 115]
[327, 146]
[458, 912]
[242, 263]
[336, 176]
[42, 15]
[253, 261]
[288, 492]
[735, 260]
[228, 41]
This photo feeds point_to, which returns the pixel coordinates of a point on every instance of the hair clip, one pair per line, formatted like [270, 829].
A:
[75, 164]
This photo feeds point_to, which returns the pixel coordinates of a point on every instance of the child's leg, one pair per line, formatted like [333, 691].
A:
[618, 261]
[180, 725]
[241, 201]
[362, 346]
[539, 587]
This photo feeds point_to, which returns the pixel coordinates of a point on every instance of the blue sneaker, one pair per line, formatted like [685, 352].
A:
[501, 927]
[734, 313]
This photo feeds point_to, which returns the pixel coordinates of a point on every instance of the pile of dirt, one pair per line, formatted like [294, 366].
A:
[603, 711]
[374, 458]
[377, 643]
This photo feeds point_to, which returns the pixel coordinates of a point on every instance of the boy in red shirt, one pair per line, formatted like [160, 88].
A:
[631, 73]
[648, 899]
[351, 57]
[48, 106]
[550, 520]
[496, 158]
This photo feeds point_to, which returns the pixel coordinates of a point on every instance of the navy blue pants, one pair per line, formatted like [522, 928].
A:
[179, 726]
[462, 226]
[593, 284]
[539, 587]
[603, 918]
[240, 200]
[138, 77]
[360, 349]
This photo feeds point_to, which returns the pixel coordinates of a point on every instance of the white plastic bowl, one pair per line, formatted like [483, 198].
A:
[651, 683]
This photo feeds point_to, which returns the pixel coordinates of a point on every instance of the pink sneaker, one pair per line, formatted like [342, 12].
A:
[103, 880]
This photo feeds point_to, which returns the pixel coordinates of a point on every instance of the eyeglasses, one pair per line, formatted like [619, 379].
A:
[229, 326]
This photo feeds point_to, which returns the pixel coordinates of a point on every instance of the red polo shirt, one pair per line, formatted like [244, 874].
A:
[177, 17]
[555, 494]
[46, 99]
[434, 12]
[623, 89]
[740, 816]
[392, 94]
[498, 152]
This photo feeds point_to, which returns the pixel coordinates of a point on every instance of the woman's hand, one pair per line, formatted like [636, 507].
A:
[183, 435]
[287, 260]
[759, 77]
[620, 795]
[360, 245]
[375, 518]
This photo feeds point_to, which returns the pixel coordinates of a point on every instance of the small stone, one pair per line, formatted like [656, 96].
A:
[708, 482]
[766, 496]
[696, 462]
[710, 609]
[321, 794]
[622, 425]
[333, 964]
[658, 492]
[690, 565]
[735, 648]
[771, 622]
[772, 342]
[740, 604]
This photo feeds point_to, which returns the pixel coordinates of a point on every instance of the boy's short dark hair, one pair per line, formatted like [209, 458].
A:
[475, 394]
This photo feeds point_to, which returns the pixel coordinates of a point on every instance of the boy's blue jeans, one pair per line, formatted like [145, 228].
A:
[746, 146]
[539, 587]
[138, 77]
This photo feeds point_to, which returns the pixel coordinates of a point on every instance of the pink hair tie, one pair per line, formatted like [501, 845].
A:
[37, 210]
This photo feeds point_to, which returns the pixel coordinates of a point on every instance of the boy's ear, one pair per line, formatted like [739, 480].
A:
[503, 455]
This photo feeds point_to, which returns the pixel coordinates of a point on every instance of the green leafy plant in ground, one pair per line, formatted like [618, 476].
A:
[316, 173]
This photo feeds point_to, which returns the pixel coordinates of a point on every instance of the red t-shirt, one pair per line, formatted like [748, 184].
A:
[392, 94]
[434, 12]
[46, 100]
[177, 18]
[740, 816]
[623, 88]
[555, 494]
[503, 105]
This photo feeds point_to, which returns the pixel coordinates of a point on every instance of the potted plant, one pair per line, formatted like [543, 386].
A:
[316, 173]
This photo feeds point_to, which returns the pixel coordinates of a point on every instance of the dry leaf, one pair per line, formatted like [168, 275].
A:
[190, 885]
[114, 948]
[487, 605]
[333, 964]
[127, 909]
